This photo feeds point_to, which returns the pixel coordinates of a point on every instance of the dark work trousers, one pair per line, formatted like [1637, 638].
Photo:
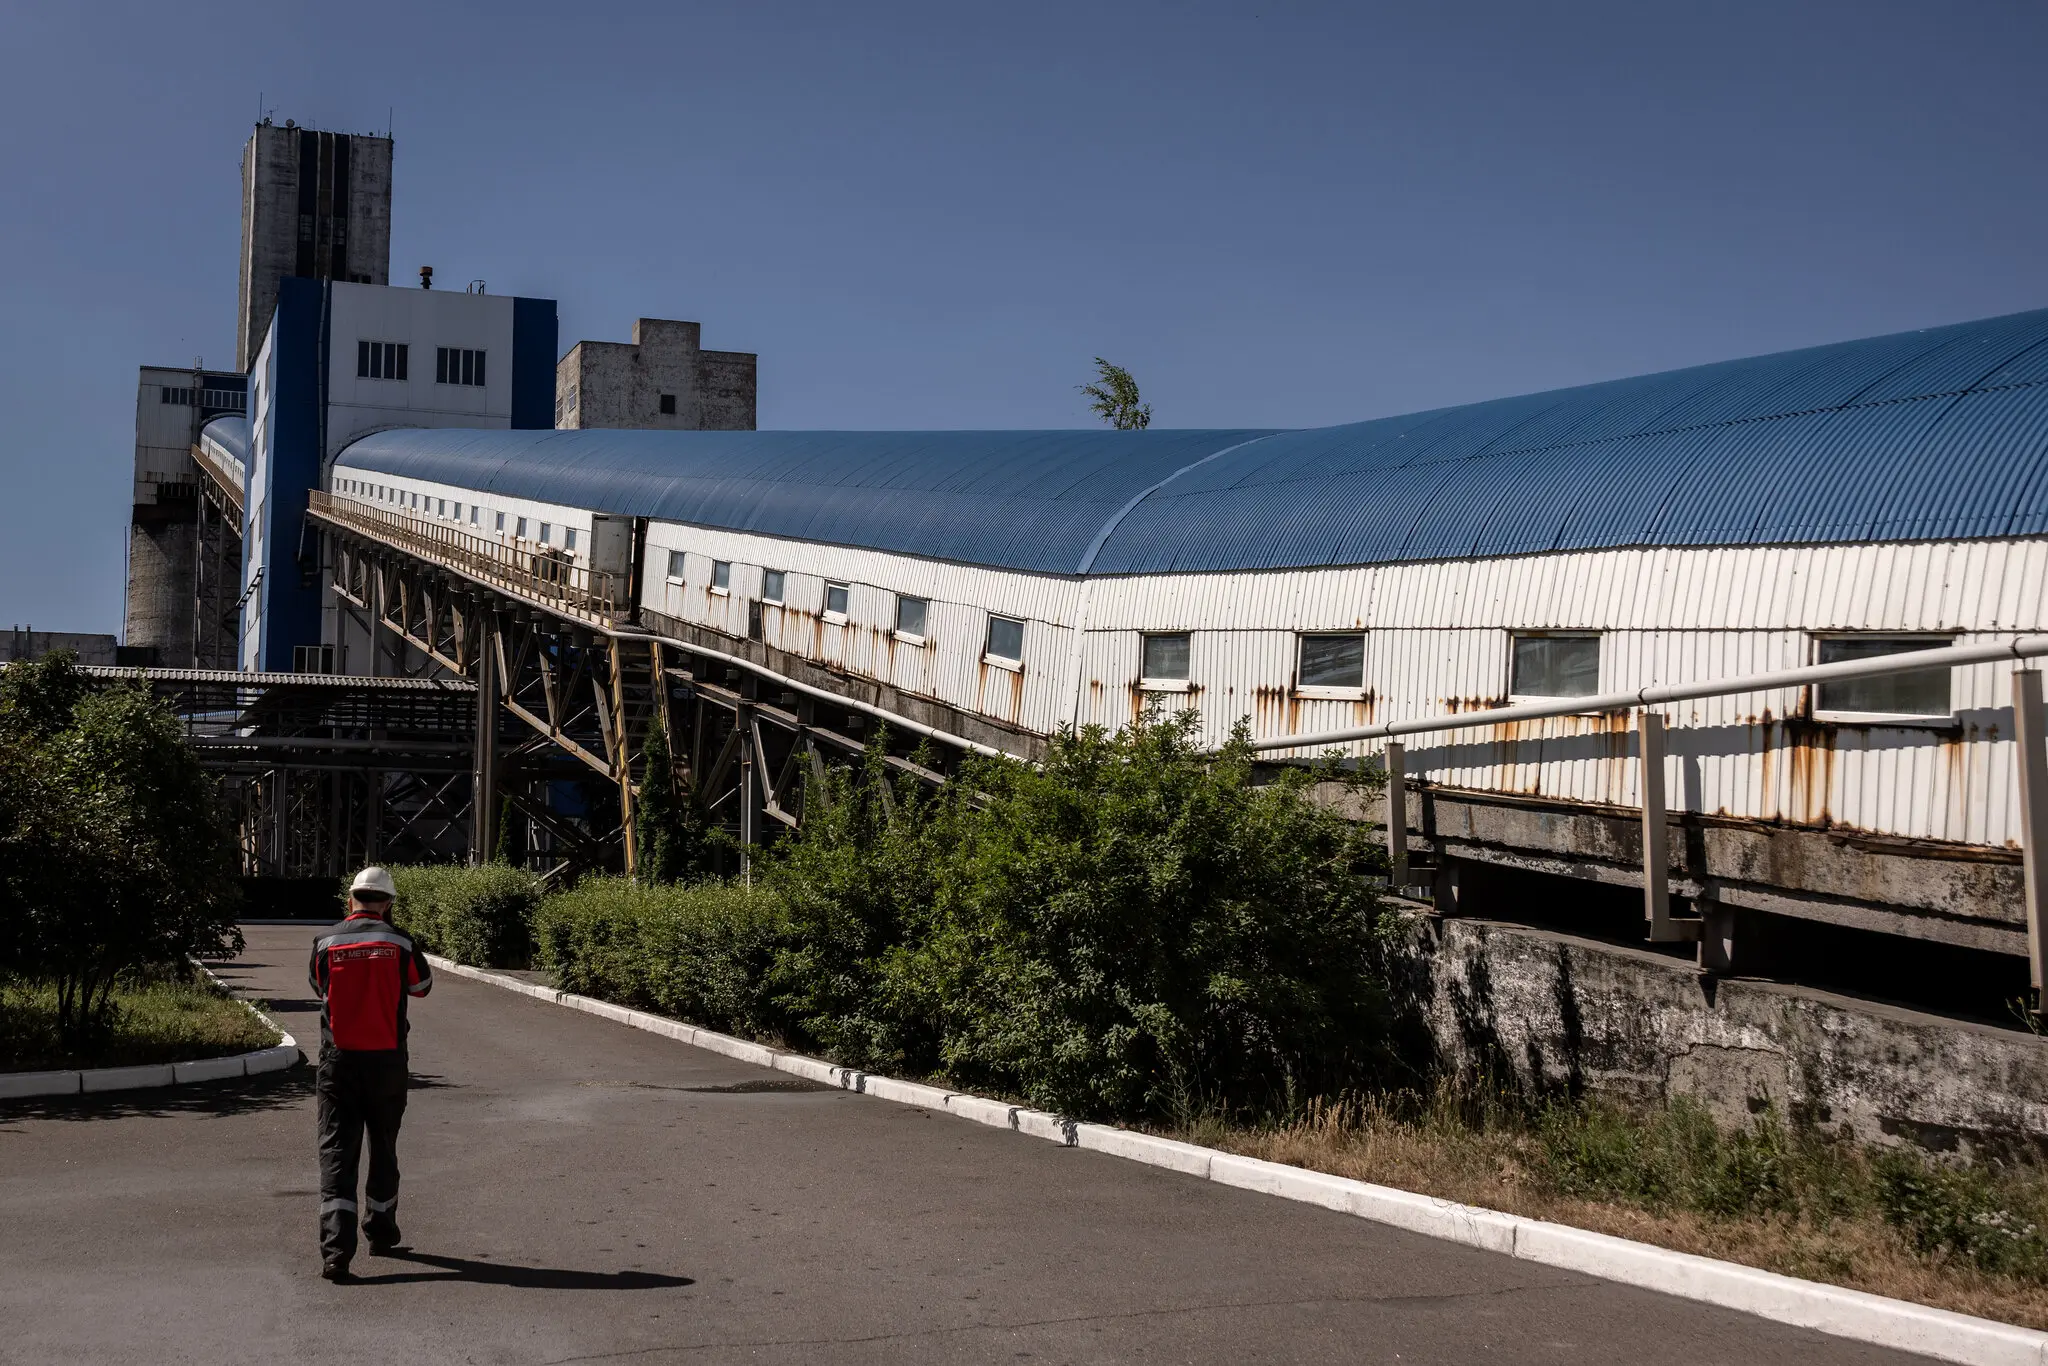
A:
[359, 1092]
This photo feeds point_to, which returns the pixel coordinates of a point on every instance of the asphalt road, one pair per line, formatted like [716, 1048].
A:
[576, 1191]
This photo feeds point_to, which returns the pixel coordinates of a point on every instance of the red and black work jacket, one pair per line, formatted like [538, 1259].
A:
[363, 972]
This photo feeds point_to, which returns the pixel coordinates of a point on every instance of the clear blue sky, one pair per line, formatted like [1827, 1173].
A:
[935, 215]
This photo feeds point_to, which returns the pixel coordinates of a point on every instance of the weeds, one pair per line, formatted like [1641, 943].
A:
[1773, 1192]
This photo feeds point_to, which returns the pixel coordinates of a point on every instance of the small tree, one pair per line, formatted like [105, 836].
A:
[113, 855]
[676, 842]
[1114, 398]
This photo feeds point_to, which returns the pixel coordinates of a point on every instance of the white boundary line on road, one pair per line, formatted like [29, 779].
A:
[25, 1085]
[1853, 1314]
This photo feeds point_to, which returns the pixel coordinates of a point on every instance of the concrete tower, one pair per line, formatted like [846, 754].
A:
[314, 205]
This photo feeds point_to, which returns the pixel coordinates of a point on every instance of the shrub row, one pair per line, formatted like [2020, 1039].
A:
[482, 916]
[702, 953]
[1134, 927]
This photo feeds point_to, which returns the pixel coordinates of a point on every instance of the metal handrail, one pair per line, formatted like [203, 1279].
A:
[226, 477]
[1877, 666]
[547, 575]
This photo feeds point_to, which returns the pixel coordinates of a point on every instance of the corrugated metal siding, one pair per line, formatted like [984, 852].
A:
[948, 667]
[1437, 638]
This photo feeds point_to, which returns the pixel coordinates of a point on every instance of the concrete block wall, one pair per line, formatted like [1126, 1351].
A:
[622, 384]
[28, 643]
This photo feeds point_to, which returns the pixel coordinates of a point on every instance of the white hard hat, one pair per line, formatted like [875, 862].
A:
[374, 879]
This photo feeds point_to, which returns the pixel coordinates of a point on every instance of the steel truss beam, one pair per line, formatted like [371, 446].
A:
[593, 685]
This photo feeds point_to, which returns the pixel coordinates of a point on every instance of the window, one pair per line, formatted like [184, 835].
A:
[180, 397]
[458, 512]
[498, 523]
[721, 576]
[380, 360]
[675, 566]
[1921, 693]
[668, 405]
[547, 533]
[475, 515]
[458, 365]
[910, 615]
[520, 529]
[1166, 659]
[440, 507]
[1332, 662]
[1555, 666]
[312, 659]
[835, 601]
[771, 585]
[568, 538]
[1005, 638]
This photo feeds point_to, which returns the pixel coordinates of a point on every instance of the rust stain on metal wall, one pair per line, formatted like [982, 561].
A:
[1810, 763]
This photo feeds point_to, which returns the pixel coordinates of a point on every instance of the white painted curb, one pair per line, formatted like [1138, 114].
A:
[22, 1085]
[1852, 1314]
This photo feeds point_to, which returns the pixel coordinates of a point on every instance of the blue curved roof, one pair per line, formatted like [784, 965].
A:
[1936, 434]
[231, 434]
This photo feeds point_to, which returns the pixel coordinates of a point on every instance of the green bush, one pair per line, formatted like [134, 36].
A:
[700, 952]
[114, 856]
[1134, 927]
[482, 916]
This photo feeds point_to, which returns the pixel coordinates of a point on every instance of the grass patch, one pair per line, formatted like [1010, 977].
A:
[1784, 1197]
[153, 1020]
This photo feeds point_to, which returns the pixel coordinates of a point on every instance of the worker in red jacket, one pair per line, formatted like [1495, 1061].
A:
[363, 971]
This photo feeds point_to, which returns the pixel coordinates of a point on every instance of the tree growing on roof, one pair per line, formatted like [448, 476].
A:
[1114, 398]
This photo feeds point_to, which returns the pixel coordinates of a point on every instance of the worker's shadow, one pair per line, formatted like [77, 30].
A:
[518, 1277]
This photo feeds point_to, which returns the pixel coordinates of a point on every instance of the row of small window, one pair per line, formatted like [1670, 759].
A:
[388, 360]
[1568, 665]
[1545, 665]
[451, 509]
[184, 396]
[1540, 664]
[1004, 641]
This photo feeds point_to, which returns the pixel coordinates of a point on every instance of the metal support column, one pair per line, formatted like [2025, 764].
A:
[1397, 817]
[1656, 847]
[280, 820]
[619, 732]
[2030, 733]
[750, 820]
[483, 806]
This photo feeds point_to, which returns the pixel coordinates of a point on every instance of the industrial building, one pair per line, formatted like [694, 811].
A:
[663, 379]
[464, 581]
[315, 206]
[1871, 497]
[181, 555]
[341, 359]
[470, 580]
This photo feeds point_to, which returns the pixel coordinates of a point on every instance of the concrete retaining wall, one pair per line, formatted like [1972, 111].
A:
[1566, 1014]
